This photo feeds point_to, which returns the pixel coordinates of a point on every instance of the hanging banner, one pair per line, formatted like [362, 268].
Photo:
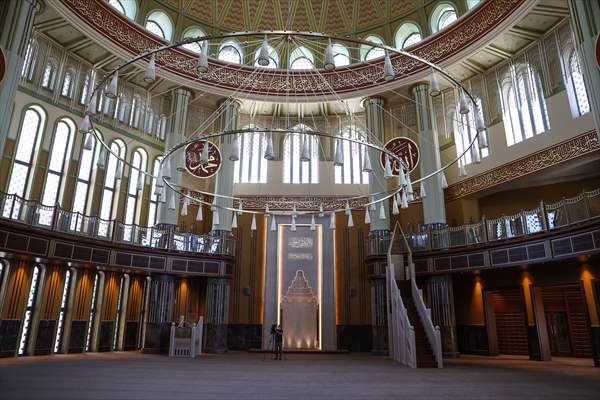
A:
[406, 149]
[193, 153]
[2, 65]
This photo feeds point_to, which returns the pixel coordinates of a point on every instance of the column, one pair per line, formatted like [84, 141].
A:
[217, 315]
[160, 306]
[97, 312]
[441, 301]
[434, 211]
[16, 21]
[379, 229]
[121, 322]
[585, 16]
[224, 179]
[179, 108]
[68, 319]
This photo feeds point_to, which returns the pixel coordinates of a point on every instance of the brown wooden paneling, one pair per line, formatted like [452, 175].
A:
[50, 306]
[17, 291]
[83, 294]
[189, 299]
[111, 296]
[134, 306]
[510, 321]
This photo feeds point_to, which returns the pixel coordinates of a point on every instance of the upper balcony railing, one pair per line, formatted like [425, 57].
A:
[544, 218]
[163, 236]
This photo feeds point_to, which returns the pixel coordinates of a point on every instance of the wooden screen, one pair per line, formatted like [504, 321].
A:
[509, 312]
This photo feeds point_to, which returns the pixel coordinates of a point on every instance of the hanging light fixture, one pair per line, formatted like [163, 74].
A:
[269, 153]
[367, 216]
[462, 98]
[240, 209]
[89, 142]
[157, 190]
[388, 69]
[338, 159]
[483, 140]
[475, 153]
[381, 211]
[159, 179]
[409, 186]
[85, 124]
[444, 181]
[328, 57]
[140, 181]
[253, 224]
[111, 89]
[387, 171]
[182, 160]
[305, 149]
[119, 172]
[184, 207]
[273, 223]
[422, 192]
[204, 155]
[434, 84]
[166, 170]
[373, 206]
[479, 121]
[395, 210]
[347, 208]
[462, 172]
[263, 55]
[332, 221]
[402, 178]
[92, 105]
[216, 220]
[350, 221]
[321, 210]
[404, 200]
[150, 75]
[234, 224]
[200, 213]
[102, 158]
[293, 227]
[313, 225]
[367, 167]
[172, 205]
[235, 149]
[202, 65]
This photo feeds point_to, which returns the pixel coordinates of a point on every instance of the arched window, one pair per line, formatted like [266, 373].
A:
[442, 16]
[407, 34]
[524, 106]
[193, 32]
[30, 61]
[153, 206]
[273, 58]
[231, 51]
[252, 165]
[370, 52]
[295, 170]
[125, 7]
[354, 153]
[578, 93]
[159, 23]
[341, 55]
[68, 84]
[28, 143]
[29, 309]
[113, 173]
[138, 161]
[465, 131]
[472, 3]
[60, 154]
[49, 77]
[301, 58]
[85, 88]
[87, 162]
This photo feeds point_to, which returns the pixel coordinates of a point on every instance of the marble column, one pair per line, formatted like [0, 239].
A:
[160, 307]
[441, 302]
[434, 211]
[585, 16]
[224, 178]
[379, 229]
[68, 318]
[16, 20]
[217, 315]
[179, 108]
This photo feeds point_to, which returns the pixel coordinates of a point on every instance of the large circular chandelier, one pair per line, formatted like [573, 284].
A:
[400, 186]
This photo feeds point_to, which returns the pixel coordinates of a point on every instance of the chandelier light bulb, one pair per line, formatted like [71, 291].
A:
[166, 170]
[350, 221]
[305, 149]
[263, 55]
[119, 172]
[140, 181]
[409, 186]
[434, 84]
[215, 214]
[269, 153]
[444, 181]
[234, 223]
[102, 159]
[479, 121]
[367, 167]
[483, 140]
[313, 225]
[462, 99]
[328, 57]
[92, 105]
[367, 216]
[204, 158]
[172, 205]
[476, 153]
[293, 227]
[184, 207]
[395, 210]
[111, 89]
[402, 178]
[462, 172]
[202, 65]
[89, 142]
[273, 223]
[182, 160]
[338, 159]
[235, 149]
[85, 124]
[381, 211]
[159, 180]
[387, 171]
[347, 208]
[321, 210]
[332, 221]
[373, 206]
[422, 192]
[150, 75]
[388, 69]
[240, 209]
[404, 200]
[253, 224]
[200, 213]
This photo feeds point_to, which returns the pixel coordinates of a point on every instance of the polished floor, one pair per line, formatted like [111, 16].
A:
[247, 376]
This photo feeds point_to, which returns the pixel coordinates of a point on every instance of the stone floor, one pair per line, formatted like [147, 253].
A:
[247, 376]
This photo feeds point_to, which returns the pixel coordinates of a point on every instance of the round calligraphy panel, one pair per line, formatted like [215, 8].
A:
[193, 152]
[406, 149]
[2, 65]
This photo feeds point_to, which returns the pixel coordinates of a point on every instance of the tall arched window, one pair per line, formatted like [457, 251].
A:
[578, 92]
[153, 206]
[60, 154]
[29, 309]
[525, 113]
[442, 16]
[139, 161]
[252, 165]
[159, 23]
[68, 84]
[407, 34]
[370, 52]
[125, 7]
[113, 173]
[273, 58]
[87, 162]
[30, 61]
[295, 170]
[341, 55]
[193, 32]
[354, 153]
[49, 77]
[28, 143]
[301, 58]
[465, 131]
[231, 51]
[85, 88]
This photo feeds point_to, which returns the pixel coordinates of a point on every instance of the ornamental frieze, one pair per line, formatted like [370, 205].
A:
[105, 20]
[575, 147]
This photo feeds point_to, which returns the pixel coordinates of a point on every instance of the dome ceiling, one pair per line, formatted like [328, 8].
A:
[331, 16]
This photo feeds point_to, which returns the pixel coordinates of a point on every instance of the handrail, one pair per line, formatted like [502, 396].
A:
[544, 218]
[164, 236]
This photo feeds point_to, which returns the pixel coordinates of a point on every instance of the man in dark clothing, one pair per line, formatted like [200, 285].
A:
[278, 340]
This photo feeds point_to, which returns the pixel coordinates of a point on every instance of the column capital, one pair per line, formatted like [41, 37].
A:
[372, 100]
[233, 102]
[183, 92]
[419, 87]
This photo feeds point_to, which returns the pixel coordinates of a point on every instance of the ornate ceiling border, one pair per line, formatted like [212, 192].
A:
[126, 34]
[577, 146]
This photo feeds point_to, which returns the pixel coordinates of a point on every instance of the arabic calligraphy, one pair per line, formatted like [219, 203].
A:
[193, 153]
[406, 149]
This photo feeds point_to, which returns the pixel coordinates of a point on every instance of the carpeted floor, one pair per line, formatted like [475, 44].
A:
[247, 376]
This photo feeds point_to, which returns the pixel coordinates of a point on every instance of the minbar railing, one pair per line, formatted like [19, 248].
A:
[163, 236]
[544, 218]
